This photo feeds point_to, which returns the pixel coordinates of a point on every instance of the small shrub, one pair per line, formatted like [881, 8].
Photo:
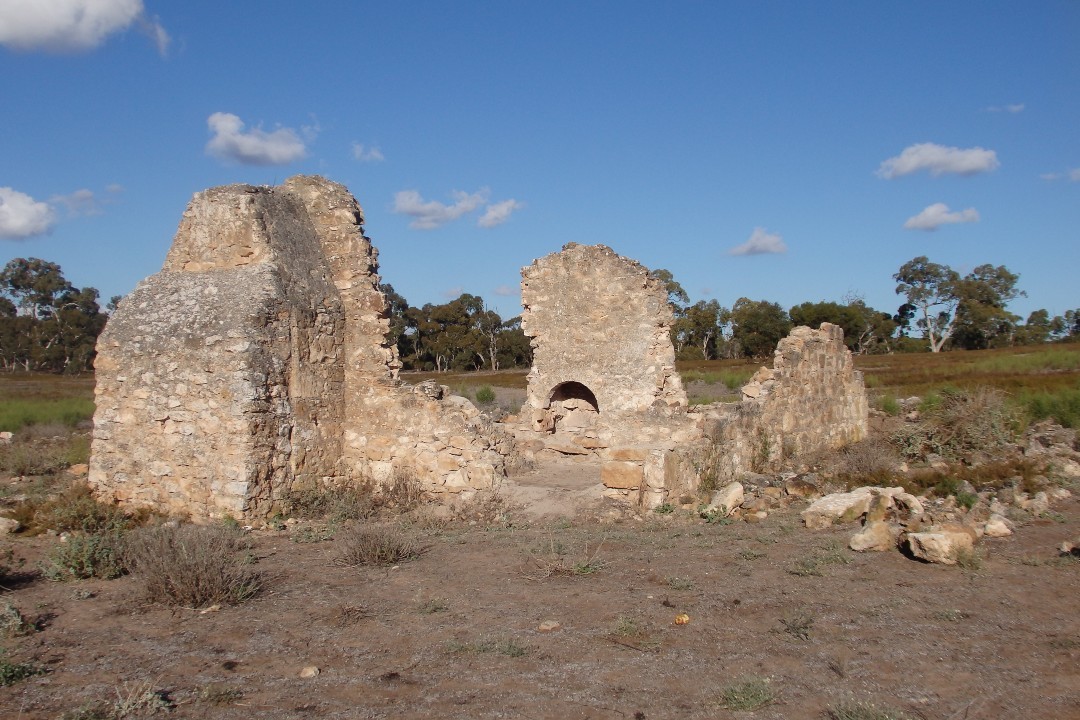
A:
[82, 557]
[628, 627]
[968, 560]
[485, 395]
[379, 545]
[435, 605]
[217, 694]
[664, 509]
[78, 510]
[193, 565]
[750, 694]
[508, 647]
[806, 567]
[13, 623]
[961, 424]
[330, 503]
[867, 462]
[11, 673]
[798, 625]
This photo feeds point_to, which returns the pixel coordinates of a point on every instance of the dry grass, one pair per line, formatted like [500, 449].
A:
[192, 565]
[377, 545]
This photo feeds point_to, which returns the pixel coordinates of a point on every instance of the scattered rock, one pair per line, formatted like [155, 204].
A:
[802, 486]
[309, 672]
[997, 526]
[876, 535]
[79, 470]
[549, 626]
[941, 546]
[841, 507]
[9, 525]
[728, 497]
[5, 437]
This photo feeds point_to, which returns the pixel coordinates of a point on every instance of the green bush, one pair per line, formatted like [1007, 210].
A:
[485, 395]
[1062, 406]
[81, 557]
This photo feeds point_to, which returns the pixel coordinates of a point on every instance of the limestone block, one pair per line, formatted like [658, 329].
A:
[876, 535]
[838, 507]
[941, 546]
[728, 497]
[622, 475]
[997, 526]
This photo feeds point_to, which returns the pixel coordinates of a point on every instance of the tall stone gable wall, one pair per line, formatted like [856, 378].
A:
[600, 319]
[256, 361]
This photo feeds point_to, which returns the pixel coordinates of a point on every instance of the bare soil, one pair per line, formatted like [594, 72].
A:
[454, 633]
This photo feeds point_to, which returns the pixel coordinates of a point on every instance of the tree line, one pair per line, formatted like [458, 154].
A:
[47, 324]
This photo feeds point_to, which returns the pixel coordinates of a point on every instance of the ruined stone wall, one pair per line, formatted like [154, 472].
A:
[256, 361]
[219, 378]
[811, 399]
[600, 320]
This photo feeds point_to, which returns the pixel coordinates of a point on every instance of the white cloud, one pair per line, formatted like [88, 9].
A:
[80, 202]
[506, 291]
[453, 293]
[938, 214]
[1016, 108]
[1074, 174]
[21, 216]
[1071, 175]
[1050, 176]
[362, 153]
[498, 213]
[73, 25]
[939, 160]
[254, 146]
[760, 243]
[428, 215]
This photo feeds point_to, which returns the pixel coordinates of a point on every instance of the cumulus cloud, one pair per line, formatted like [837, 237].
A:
[938, 214]
[939, 160]
[363, 153]
[498, 213]
[430, 214]
[74, 25]
[21, 216]
[760, 243]
[254, 146]
[1017, 108]
[506, 291]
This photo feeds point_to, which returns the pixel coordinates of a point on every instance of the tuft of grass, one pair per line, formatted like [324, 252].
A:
[806, 567]
[751, 694]
[485, 395]
[378, 545]
[217, 694]
[677, 583]
[506, 646]
[77, 510]
[852, 710]
[627, 626]
[968, 560]
[193, 565]
[664, 509]
[434, 605]
[889, 405]
[1062, 406]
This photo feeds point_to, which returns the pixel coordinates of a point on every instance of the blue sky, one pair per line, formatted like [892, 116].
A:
[785, 151]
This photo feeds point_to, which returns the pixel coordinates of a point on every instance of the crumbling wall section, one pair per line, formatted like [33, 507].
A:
[219, 378]
[598, 321]
[257, 361]
[391, 427]
[811, 399]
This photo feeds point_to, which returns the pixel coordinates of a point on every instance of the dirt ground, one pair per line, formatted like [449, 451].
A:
[455, 633]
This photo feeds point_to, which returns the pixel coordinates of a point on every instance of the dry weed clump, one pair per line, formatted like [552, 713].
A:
[377, 545]
[961, 425]
[193, 565]
[401, 494]
[868, 462]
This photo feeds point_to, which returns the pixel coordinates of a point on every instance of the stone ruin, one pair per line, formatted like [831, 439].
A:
[256, 362]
